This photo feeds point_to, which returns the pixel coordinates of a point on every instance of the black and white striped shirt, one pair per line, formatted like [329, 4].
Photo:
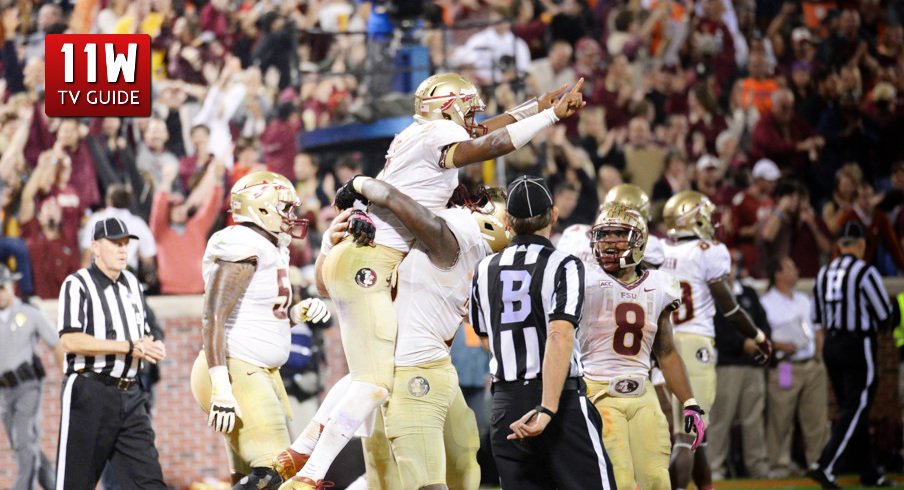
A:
[93, 304]
[848, 295]
[515, 294]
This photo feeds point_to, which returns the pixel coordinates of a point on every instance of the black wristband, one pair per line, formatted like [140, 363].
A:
[542, 409]
[131, 346]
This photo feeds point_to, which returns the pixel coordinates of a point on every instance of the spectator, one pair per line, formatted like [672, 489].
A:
[879, 231]
[50, 16]
[248, 159]
[571, 21]
[675, 179]
[644, 161]
[278, 140]
[797, 386]
[601, 144]
[847, 46]
[50, 179]
[192, 167]
[307, 185]
[615, 92]
[588, 65]
[568, 164]
[181, 232]
[811, 240]
[118, 199]
[58, 255]
[891, 46]
[486, 49]
[84, 176]
[758, 87]
[220, 105]
[707, 180]
[712, 43]
[847, 180]
[807, 103]
[893, 201]
[751, 207]
[741, 390]
[849, 135]
[783, 137]
[704, 117]
[565, 197]
[555, 70]
[115, 162]
[152, 156]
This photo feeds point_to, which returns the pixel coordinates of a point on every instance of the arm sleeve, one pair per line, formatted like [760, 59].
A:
[72, 309]
[716, 262]
[474, 313]
[568, 295]
[874, 292]
[43, 327]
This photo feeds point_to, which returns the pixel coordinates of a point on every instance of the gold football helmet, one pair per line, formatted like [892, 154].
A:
[491, 219]
[269, 201]
[689, 213]
[450, 96]
[619, 237]
[630, 196]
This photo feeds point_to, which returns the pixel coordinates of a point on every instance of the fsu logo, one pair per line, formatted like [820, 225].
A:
[704, 355]
[365, 278]
[626, 386]
[418, 386]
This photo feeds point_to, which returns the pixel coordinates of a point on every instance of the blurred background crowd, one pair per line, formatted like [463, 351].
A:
[785, 113]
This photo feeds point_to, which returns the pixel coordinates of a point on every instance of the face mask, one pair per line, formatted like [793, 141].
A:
[283, 240]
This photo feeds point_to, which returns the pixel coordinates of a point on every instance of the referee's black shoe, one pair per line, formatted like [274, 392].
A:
[882, 482]
[822, 478]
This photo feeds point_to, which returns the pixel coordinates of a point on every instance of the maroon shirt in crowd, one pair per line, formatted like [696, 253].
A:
[52, 261]
[772, 141]
[278, 143]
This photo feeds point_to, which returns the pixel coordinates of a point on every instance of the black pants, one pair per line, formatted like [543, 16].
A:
[568, 455]
[851, 364]
[101, 423]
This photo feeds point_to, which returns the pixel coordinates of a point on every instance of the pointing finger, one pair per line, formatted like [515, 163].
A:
[559, 91]
[578, 86]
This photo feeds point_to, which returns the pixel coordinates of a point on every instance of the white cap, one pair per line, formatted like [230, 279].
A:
[801, 34]
[766, 169]
[707, 162]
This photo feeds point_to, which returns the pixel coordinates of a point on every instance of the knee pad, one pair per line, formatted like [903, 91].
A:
[260, 479]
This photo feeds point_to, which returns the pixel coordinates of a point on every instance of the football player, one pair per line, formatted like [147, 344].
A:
[701, 265]
[421, 163]
[245, 328]
[626, 318]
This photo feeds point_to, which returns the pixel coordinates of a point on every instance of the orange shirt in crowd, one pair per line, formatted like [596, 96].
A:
[758, 93]
[179, 254]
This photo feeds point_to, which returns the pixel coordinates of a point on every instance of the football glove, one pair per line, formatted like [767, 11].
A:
[693, 421]
[224, 409]
[361, 227]
[311, 310]
[347, 195]
[764, 346]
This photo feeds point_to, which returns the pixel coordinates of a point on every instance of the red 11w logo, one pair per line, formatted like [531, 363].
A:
[97, 75]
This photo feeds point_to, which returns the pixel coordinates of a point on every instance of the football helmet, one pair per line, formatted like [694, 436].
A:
[269, 201]
[618, 237]
[630, 196]
[490, 219]
[689, 213]
[450, 96]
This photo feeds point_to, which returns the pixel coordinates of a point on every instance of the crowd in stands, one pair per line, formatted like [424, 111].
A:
[785, 114]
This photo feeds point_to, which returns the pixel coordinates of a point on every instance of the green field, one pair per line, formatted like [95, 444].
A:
[848, 482]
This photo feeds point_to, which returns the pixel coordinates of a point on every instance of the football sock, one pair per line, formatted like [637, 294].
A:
[305, 442]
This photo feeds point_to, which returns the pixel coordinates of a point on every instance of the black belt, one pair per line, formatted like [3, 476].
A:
[571, 384]
[26, 371]
[857, 334]
[121, 384]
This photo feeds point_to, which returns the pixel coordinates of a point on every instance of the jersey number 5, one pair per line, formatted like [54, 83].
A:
[284, 294]
[685, 312]
[629, 320]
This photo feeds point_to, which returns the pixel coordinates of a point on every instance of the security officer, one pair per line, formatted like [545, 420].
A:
[21, 326]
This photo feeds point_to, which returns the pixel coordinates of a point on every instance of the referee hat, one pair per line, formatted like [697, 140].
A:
[112, 229]
[851, 230]
[528, 197]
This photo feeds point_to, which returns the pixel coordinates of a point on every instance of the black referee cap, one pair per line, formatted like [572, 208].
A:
[852, 230]
[112, 229]
[528, 197]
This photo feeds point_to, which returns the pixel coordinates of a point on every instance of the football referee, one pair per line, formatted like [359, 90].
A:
[105, 334]
[525, 305]
[850, 303]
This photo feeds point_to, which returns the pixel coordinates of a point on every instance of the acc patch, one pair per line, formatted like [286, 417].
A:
[418, 386]
[704, 355]
[365, 277]
[626, 386]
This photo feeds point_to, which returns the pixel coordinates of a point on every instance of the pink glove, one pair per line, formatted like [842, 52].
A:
[693, 420]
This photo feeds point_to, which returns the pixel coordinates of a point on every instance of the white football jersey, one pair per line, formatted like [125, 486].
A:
[619, 322]
[431, 302]
[414, 167]
[258, 330]
[695, 264]
[575, 240]
[653, 254]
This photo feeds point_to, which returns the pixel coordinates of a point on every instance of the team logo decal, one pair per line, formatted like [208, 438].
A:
[704, 355]
[365, 278]
[626, 386]
[418, 386]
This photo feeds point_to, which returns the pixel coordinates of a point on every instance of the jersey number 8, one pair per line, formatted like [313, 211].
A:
[629, 320]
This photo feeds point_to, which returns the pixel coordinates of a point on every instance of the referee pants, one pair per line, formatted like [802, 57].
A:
[568, 455]
[101, 423]
[850, 360]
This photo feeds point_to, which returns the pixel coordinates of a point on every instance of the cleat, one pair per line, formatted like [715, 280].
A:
[288, 463]
[823, 479]
[304, 483]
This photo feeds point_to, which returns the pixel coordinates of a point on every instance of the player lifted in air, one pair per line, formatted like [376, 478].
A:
[431, 431]
[701, 266]
[245, 327]
[626, 318]
[421, 163]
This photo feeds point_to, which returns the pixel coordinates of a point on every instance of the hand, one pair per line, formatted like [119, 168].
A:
[693, 421]
[764, 346]
[361, 227]
[224, 409]
[149, 350]
[347, 195]
[10, 23]
[549, 99]
[310, 310]
[532, 424]
[572, 102]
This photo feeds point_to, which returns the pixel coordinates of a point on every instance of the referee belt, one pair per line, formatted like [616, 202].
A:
[571, 384]
[121, 384]
[856, 334]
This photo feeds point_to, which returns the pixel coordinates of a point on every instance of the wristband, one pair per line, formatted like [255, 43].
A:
[359, 181]
[219, 377]
[131, 346]
[326, 243]
[690, 401]
[522, 132]
[542, 409]
[760, 337]
[525, 110]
